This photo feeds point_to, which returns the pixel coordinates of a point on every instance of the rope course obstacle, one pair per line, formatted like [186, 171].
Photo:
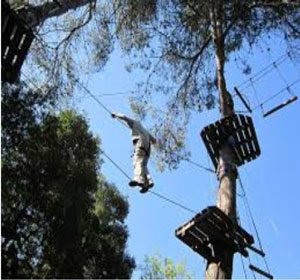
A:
[209, 231]
[258, 76]
[210, 228]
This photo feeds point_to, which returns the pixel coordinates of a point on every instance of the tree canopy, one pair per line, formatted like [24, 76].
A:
[182, 45]
[60, 218]
[156, 267]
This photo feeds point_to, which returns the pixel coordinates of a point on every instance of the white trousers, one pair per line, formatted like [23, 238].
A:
[140, 161]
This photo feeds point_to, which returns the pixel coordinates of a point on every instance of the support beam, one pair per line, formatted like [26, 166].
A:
[257, 251]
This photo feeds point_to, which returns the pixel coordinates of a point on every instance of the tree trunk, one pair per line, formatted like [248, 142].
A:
[221, 266]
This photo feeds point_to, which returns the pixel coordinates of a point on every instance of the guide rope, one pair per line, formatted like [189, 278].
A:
[252, 221]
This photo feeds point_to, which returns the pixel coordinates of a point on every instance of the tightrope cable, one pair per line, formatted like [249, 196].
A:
[172, 201]
[116, 165]
[92, 95]
[150, 191]
[200, 166]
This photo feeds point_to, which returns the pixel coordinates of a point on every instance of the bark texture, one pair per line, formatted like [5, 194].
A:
[220, 267]
[35, 15]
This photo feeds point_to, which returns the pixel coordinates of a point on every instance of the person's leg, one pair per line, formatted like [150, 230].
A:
[150, 183]
[138, 163]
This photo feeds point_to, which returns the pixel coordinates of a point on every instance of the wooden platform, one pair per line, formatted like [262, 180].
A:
[240, 127]
[16, 40]
[212, 229]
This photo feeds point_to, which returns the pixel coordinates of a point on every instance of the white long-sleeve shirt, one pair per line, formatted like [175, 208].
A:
[137, 131]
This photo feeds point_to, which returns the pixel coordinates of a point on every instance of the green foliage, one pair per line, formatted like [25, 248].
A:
[155, 267]
[51, 195]
[173, 41]
[178, 48]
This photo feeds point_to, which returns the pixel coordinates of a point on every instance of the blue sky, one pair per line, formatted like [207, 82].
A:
[271, 181]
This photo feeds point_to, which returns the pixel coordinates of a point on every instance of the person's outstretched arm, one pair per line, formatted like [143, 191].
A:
[152, 139]
[128, 121]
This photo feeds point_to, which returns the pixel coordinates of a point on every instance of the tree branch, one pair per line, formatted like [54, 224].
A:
[34, 15]
[294, 29]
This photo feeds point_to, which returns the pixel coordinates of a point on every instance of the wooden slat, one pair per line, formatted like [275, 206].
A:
[241, 146]
[261, 253]
[248, 137]
[241, 129]
[236, 135]
[261, 272]
[280, 106]
[212, 228]
[199, 246]
[254, 137]
[4, 22]
[12, 63]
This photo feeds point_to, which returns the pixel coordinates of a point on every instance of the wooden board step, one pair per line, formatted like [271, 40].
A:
[16, 40]
[289, 101]
[261, 272]
[240, 130]
[212, 230]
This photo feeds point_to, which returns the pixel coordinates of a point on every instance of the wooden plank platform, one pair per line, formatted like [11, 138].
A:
[211, 230]
[241, 129]
[16, 40]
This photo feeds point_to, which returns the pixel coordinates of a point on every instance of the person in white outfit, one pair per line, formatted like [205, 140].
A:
[142, 141]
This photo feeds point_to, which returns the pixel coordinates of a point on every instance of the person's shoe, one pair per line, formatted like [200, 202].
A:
[151, 185]
[133, 183]
[144, 190]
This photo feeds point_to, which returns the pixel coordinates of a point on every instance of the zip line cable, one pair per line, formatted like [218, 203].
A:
[200, 166]
[92, 95]
[121, 170]
[174, 202]
[166, 198]
[153, 192]
[116, 165]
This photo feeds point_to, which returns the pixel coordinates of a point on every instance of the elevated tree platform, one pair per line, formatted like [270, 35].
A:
[239, 132]
[212, 231]
[16, 40]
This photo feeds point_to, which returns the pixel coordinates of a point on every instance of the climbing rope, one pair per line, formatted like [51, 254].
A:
[252, 221]
[276, 94]
[264, 71]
